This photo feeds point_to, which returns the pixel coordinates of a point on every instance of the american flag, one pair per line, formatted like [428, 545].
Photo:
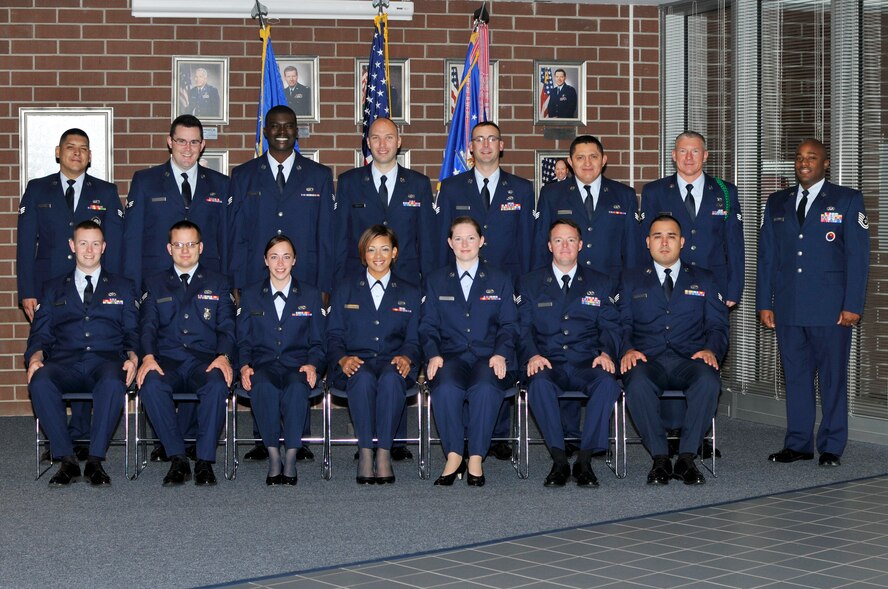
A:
[547, 170]
[454, 88]
[377, 94]
[546, 88]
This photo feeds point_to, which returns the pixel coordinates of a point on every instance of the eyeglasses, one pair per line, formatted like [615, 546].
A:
[183, 142]
[185, 244]
[488, 139]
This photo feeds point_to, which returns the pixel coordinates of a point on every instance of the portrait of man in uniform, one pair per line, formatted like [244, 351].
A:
[560, 92]
[200, 88]
[300, 77]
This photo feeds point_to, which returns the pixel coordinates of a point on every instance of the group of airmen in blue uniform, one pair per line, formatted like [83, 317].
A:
[483, 285]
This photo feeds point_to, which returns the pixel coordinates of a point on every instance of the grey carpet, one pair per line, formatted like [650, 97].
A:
[138, 534]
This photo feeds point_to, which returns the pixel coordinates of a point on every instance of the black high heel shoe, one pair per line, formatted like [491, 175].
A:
[446, 480]
[475, 481]
[366, 480]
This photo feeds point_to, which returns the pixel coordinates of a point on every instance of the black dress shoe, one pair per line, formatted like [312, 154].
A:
[68, 472]
[400, 453]
[179, 473]
[829, 459]
[289, 481]
[584, 475]
[570, 449]
[274, 481]
[191, 453]
[685, 470]
[500, 451]
[385, 480]
[557, 476]
[257, 452]
[660, 472]
[366, 480]
[81, 452]
[304, 453]
[159, 455]
[96, 475]
[788, 455]
[203, 473]
[446, 480]
[475, 481]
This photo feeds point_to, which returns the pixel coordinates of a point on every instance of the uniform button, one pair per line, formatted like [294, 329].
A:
[88, 348]
[70, 225]
[376, 322]
[588, 229]
[588, 246]
[667, 328]
[280, 328]
[799, 270]
[184, 331]
[800, 253]
[186, 315]
[801, 235]
[485, 226]
[588, 262]
[668, 311]
[375, 354]
[693, 232]
[184, 345]
[566, 317]
[278, 342]
[280, 213]
[693, 248]
[468, 330]
[385, 223]
[693, 263]
[376, 339]
[86, 334]
[566, 332]
[467, 314]
[69, 256]
[564, 347]
[279, 231]
[86, 318]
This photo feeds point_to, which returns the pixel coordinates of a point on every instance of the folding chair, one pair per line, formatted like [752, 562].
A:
[232, 455]
[142, 442]
[518, 434]
[671, 396]
[41, 441]
[329, 441]
[616, 450]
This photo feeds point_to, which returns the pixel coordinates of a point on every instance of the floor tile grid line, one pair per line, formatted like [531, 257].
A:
[716, 505]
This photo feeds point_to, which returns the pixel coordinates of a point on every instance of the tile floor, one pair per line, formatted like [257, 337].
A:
[831, 536]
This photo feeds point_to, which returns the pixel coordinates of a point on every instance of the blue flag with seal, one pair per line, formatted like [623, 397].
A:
[271, 89]
[374, 81]
[472, 105]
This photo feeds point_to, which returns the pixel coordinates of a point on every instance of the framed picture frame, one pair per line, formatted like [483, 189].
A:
[559, 94]
[200, 88]
[545, 169]
[399, 70]
[312, 154]
[453, 71]
[215, 159]
[41, 128]
[403, 158]
[301, 77]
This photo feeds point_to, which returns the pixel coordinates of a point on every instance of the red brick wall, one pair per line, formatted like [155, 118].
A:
[94, 53]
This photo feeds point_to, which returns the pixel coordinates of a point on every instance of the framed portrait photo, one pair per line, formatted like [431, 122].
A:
[559, 95]
[551, 166]
[399, 70]
[453, 72]
[41, 128]
[301, 77]
[215, 159]
[200, 88]
[403, 158]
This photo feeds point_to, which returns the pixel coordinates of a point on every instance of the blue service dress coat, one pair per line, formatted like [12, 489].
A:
[276, 348]
[563, 102]
[185, 330]
[508, 224]
[355, 327]
[409, 214]
[304, 213]
[668, 333]
[154, 204]
[45, 225]
[570, 332]
[466, 333]
[714, 240]
[611, 239]
[84, 348]
[807, 276]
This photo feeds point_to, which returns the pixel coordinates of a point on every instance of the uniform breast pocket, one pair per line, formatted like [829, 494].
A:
[166, 310]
